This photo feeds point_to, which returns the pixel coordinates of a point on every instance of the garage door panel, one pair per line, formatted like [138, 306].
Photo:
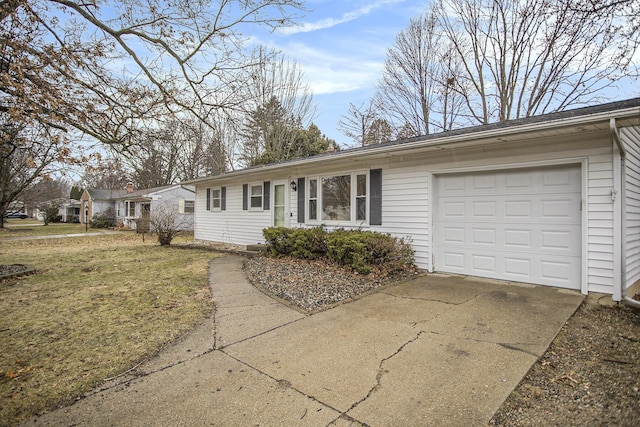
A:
[481, 208]
[517, 239]
[531, 235]
[518, 267]
[520, 209]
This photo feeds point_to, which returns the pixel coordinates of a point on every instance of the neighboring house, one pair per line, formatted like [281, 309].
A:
[95, 202]
[70, 211]
[551, 200]
[131, 206]
[138, 205]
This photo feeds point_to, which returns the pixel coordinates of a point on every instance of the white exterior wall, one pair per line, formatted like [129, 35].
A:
[600, 259]
[232, 225]
[101, 206]
[407, 197]
[631, 139]
[406, 209]
[172, 197]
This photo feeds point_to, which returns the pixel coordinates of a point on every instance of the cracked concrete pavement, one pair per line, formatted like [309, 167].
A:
[437, 350]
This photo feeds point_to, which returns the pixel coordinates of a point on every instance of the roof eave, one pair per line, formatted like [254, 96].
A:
[471, 138]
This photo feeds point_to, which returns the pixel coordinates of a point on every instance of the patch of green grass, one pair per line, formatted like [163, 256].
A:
[98, 306]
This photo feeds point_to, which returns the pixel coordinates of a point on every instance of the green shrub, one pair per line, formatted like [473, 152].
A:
[309, 243]
[105, 219]
[359, 250]
[348, 248]
[278, 240]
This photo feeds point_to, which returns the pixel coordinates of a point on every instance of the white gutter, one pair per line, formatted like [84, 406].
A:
[623, 214]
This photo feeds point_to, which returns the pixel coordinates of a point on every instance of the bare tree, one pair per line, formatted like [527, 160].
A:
[356, 123]
[409, 85]
[527, 57]
[178, 150]
[166, 222]
[106, 69]
[28, 155]
[107, 174]
[279, 104]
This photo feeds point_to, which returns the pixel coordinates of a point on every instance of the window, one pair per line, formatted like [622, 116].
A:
[131, 209]
[216, 198]
[313, 199]
[189, 206]
[256, 196]
[336, 198]
[339, 198]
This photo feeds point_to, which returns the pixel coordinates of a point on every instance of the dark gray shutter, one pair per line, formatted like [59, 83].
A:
[223, 198]
[375, 199]
[301, 200]
[208, 199]
[266, 195]
[245, 195]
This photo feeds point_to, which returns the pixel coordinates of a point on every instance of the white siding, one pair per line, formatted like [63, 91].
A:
[232, 225]
[172, 197]
[600, 222]
[631, 140]
[405, 209]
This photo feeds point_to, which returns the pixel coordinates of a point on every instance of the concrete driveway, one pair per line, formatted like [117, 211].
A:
[438, 350]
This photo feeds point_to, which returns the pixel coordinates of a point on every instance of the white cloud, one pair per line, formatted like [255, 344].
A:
[329, 71]
[332, 22]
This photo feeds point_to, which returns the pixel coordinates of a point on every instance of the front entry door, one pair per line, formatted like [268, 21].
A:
[279, 207]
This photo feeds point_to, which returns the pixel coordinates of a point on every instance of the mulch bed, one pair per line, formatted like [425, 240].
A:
[315, 285]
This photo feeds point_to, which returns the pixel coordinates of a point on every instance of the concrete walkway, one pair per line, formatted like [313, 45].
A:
[61, 236]
[438, 350]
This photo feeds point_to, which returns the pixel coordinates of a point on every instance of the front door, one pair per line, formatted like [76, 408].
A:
[279, 205]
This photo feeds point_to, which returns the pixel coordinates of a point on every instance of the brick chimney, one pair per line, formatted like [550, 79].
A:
[130, 187]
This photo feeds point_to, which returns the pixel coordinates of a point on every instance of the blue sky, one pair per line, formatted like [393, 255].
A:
[341, 47]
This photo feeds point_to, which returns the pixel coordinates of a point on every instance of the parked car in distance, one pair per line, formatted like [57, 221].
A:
[20, 215]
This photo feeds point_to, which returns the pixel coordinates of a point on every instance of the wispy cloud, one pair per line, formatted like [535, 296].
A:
[333, 71]
[322, 24]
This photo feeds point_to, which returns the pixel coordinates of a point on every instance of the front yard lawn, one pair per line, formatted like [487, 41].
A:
[98, 306]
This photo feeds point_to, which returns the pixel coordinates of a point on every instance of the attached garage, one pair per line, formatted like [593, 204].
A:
[521, 224]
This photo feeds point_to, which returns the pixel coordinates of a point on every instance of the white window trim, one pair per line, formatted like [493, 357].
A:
[211, 204]
[193, 207]
[128, 209]
[249, 195]
[353, 208]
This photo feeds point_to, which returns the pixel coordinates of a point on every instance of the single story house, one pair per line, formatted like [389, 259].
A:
[550, 200]
[130, 206]
[137, 205]
[69, 211]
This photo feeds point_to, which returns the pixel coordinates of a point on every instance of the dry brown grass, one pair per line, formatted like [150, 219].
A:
[98, 306]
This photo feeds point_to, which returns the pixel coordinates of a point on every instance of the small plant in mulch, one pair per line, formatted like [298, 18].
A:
[362, 251]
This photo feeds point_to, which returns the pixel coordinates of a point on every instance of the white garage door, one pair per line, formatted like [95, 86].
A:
[521, 225]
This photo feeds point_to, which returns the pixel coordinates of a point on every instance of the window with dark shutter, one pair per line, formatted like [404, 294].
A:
[375, 198]
[266, 194]
[245, 196]
[301, 194]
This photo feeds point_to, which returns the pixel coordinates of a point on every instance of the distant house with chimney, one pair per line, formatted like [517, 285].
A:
[131, 208]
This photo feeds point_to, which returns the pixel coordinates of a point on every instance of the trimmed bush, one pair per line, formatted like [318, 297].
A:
[349, 248]
[309, 243]
[359, 250]
[278, 241]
